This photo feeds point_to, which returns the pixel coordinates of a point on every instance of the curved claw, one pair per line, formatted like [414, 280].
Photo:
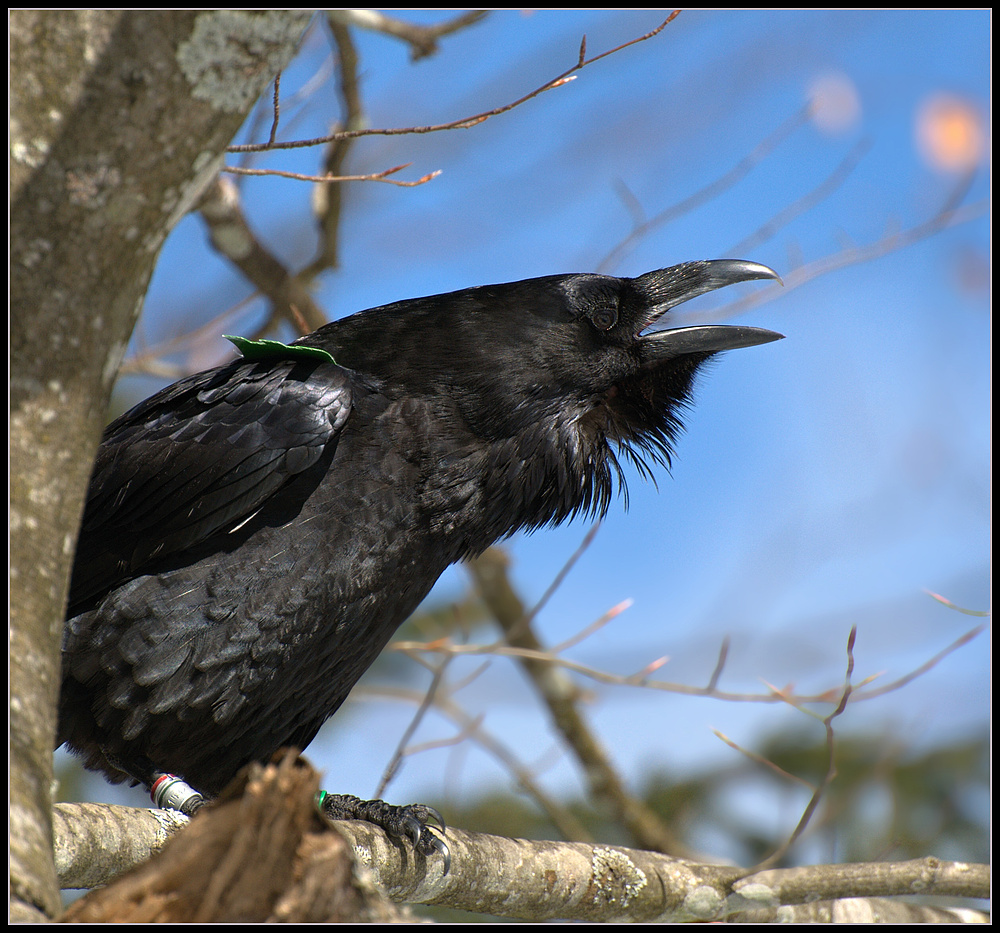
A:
[440, 846]
[401, 822]
[437, 817]
[420, 814]
[414, 829]
[425, 840]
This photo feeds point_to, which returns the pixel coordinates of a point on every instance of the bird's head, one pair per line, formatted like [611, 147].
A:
[640, 371]
[575, 361]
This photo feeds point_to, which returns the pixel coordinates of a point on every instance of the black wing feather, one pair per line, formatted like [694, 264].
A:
[200, 458]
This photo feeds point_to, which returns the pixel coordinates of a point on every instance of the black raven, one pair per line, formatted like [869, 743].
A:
[255, 534]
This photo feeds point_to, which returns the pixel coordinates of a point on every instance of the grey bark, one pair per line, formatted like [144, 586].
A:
[118, 121]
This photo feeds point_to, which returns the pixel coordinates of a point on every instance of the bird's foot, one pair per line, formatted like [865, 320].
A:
[399, 822]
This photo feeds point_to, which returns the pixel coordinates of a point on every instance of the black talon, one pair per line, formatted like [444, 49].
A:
[427, 841]
[408, 822]
[442, 847]
[437, 818]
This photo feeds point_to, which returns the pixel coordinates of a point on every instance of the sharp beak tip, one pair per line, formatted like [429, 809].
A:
[751, 336]
[667, 288]
[731, 271]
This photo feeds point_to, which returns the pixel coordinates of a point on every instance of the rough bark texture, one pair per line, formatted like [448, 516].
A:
[261, 853]
[118, 120]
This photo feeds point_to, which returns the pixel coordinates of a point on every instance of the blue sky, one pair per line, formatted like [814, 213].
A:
[824, 481]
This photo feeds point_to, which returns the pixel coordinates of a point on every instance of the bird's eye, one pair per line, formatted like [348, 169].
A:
[604, 318]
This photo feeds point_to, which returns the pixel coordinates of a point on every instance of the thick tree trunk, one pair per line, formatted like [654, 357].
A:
[118, 121]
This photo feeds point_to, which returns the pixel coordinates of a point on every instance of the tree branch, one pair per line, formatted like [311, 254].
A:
[232, 237]
[465, 122]
[118, 120]
[421, 39]
[261, 852]
[561, 696]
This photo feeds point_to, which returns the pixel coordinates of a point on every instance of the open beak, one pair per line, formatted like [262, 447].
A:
[667, 288]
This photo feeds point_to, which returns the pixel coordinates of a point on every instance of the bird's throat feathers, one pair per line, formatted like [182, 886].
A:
[572, 461]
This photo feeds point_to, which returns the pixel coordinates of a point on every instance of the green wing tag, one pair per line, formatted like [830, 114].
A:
[276, 350]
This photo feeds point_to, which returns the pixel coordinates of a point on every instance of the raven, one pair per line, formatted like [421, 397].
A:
[254, 534]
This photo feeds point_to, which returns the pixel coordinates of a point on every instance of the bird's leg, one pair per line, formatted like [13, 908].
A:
[170, 792]
[399, 822]
[167, 791]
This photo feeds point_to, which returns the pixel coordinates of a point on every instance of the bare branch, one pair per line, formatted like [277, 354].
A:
[94, 843]
[557, 581]
[872, 879]
[561, 697]
[149, 361]
[566, 824]
[463, 123]
[231, 235]
[374, 176]
[925, 667]
[951, 214]
[276, 107]
[395, 761]
[982, 613]
[328, 199]
[421, 39]
[594, 626]
[831, 764]
[713, 681]
[712, 190]
[774, 695]
[220, 871]
[858, 910]
[761, 760]
[260, 852]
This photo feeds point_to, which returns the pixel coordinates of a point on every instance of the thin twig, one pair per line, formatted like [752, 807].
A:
[445, 646]
[831, 765]
[981, 613]
[924, 668]
[713, 681]
[761, 760]
[565, 822]
[463, 123]
[951, 214]
[561, 696]
[820, 193]
[276, 108]
[712, 190]
[149, 360]
[594, 626]
[374, 176]
[588, 539]
[421, 39]
[396, 760]
[303, 94]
